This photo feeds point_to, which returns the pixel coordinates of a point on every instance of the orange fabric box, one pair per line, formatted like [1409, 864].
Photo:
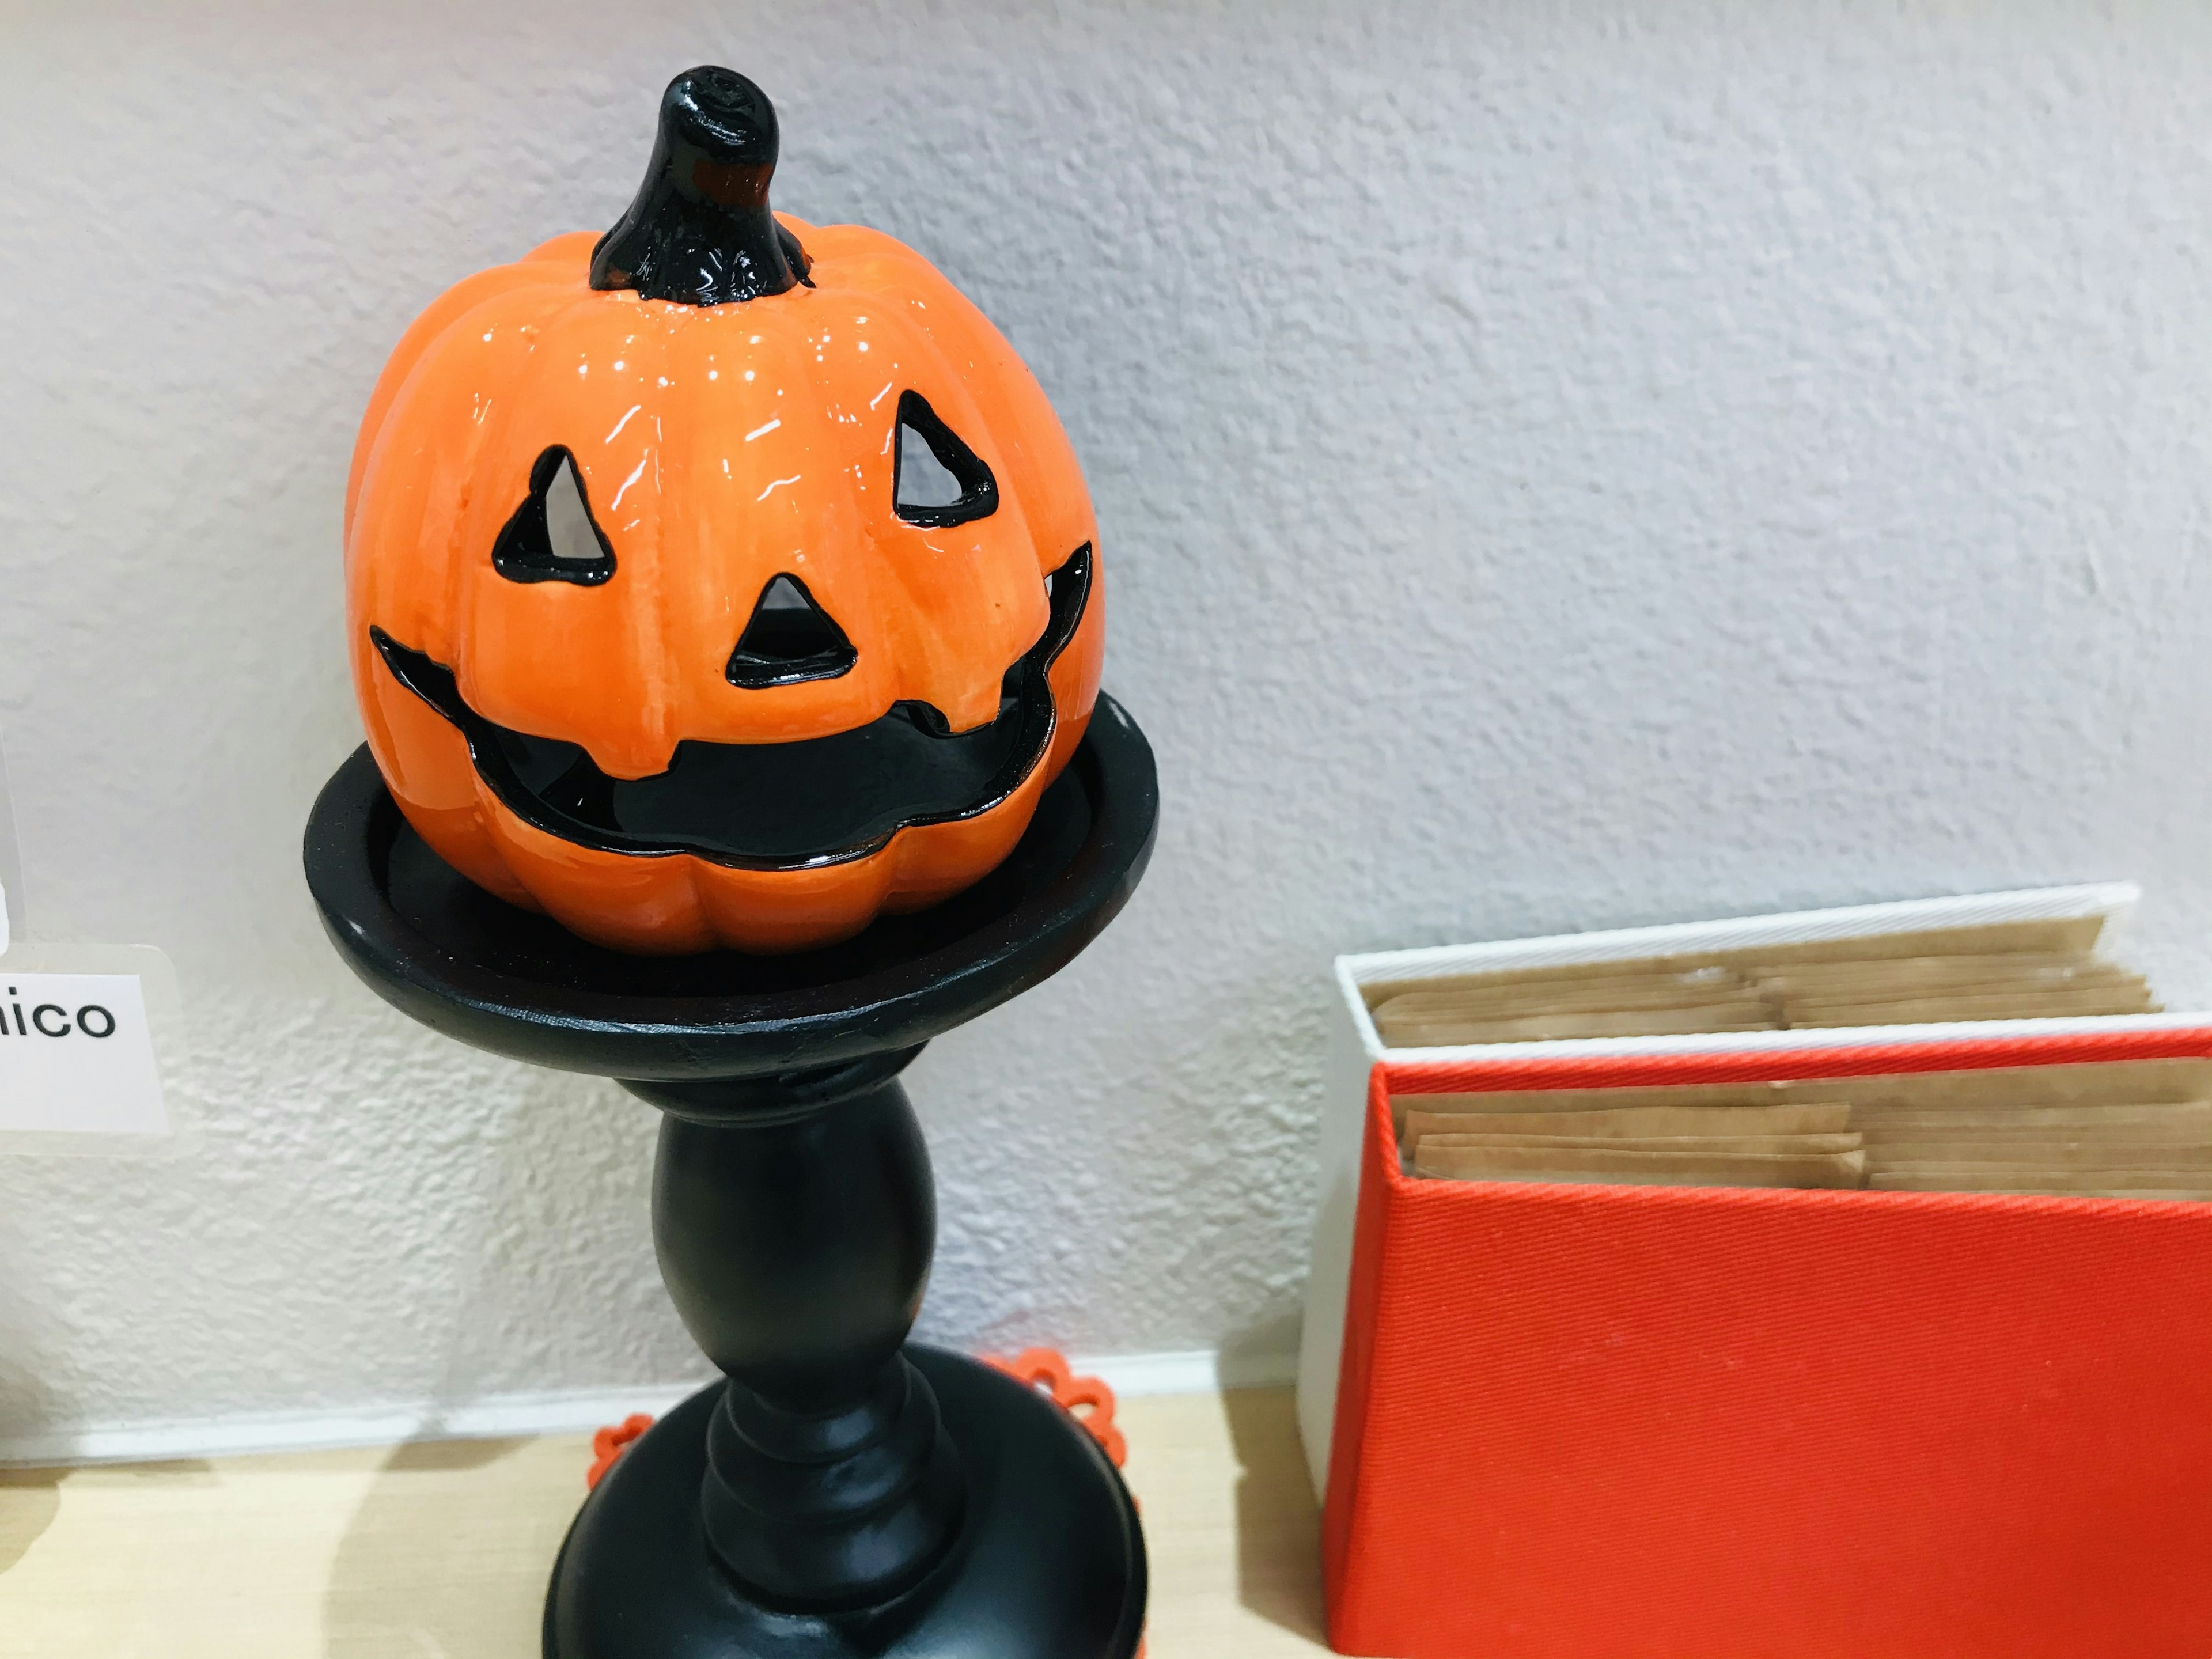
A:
[1591, 1422]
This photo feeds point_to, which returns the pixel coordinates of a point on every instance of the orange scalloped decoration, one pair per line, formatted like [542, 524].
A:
[608, 1444]
[1085, 1399]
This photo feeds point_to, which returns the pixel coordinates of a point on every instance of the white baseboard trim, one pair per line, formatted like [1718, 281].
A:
[1196, 1370]
[566, 1411]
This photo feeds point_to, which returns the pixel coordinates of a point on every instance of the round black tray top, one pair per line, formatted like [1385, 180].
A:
[442, 949]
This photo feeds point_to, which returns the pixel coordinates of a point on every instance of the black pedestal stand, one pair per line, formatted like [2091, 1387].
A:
[843, 1493]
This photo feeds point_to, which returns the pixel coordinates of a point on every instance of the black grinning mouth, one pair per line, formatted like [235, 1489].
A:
[773, 805]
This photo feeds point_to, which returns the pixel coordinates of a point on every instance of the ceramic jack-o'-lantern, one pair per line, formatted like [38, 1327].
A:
[722, 581]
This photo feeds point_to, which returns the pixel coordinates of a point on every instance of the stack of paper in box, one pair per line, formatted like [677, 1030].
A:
[2142, 1130]
[1790, 990]
[1634, 1137]
[2134, 1129]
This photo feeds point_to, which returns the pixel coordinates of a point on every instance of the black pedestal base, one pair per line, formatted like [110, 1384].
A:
[794, 1218]
[1049, 1562]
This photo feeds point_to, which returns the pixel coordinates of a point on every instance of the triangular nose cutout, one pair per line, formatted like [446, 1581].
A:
[789, 639]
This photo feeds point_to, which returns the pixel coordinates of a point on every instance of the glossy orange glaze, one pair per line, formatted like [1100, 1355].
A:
[718, 445]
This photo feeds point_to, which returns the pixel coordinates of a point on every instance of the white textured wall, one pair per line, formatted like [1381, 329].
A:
[1561, 464]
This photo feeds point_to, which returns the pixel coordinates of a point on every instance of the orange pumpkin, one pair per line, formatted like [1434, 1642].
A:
[657, 625]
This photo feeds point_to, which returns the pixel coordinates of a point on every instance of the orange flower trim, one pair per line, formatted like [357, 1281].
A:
[608, 1444]
[1085, 1399]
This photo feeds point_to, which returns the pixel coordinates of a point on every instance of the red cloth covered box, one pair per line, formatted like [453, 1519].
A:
[1602, 1422]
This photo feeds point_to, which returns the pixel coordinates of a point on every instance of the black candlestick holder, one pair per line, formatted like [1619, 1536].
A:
[844, 1491]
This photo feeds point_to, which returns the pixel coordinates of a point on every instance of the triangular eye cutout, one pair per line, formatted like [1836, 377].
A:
[924, 481]
[552, 536]
[936, 479]
[789, 639]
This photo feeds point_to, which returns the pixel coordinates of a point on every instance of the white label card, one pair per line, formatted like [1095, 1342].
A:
[77, 1054]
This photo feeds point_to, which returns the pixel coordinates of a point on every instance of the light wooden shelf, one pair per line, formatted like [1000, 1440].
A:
[441, 1550]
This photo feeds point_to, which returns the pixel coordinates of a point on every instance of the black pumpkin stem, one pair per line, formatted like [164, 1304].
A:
[700, 232]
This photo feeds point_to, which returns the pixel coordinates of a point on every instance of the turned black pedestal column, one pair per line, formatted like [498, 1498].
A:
[795, 1235]
[845, 1491]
